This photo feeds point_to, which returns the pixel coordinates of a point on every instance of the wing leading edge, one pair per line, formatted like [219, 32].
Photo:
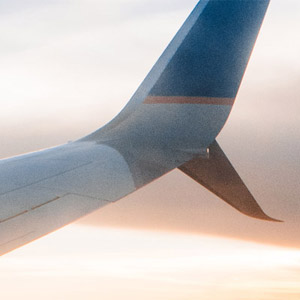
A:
[170, 122]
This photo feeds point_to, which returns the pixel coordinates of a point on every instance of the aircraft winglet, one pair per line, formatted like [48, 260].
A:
[219, 176]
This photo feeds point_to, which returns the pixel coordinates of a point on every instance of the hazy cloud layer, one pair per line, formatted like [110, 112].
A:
[132, 265]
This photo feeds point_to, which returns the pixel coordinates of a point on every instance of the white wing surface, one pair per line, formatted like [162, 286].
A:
[44, 191]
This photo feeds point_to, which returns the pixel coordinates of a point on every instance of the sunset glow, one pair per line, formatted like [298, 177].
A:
[91, 263]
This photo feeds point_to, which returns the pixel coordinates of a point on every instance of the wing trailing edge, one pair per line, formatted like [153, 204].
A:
[219, 176]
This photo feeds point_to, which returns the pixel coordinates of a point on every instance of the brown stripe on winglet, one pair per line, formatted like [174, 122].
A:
[188, 100]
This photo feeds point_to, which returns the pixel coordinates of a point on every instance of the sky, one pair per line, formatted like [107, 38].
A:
[67, 68]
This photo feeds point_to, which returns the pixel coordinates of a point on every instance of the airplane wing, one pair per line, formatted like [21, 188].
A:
[171, 121]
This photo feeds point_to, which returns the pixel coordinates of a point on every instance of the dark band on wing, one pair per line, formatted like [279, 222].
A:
[188, 100]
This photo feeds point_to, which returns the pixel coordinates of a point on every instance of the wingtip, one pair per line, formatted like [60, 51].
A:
[261, 215]
[269, 219]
